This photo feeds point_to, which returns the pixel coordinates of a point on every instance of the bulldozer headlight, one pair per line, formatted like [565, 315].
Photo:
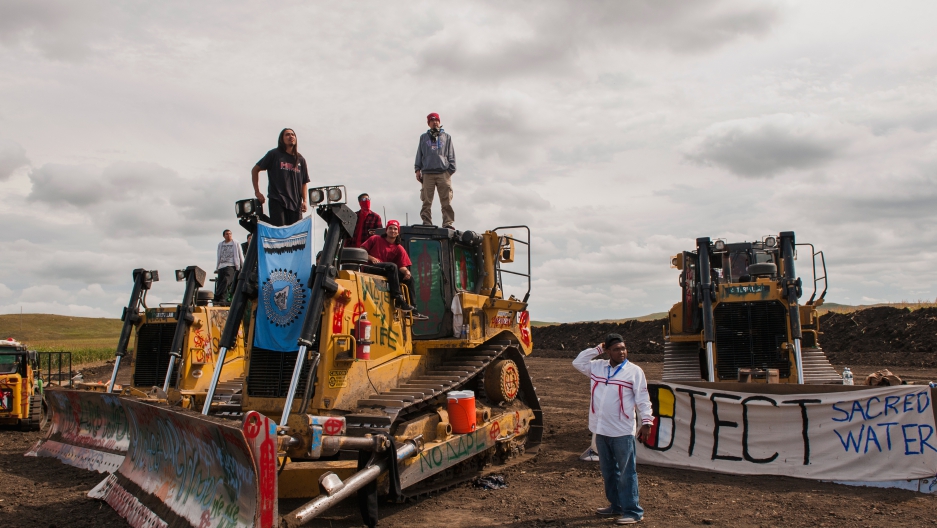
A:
[316, 196]
[771, 242]
[245, 208]
[720, 245]
[334, 194]
[180, 275]
[152, 276]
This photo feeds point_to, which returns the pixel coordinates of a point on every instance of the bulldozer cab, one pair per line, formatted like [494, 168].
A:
[448, 262]
[733, 265]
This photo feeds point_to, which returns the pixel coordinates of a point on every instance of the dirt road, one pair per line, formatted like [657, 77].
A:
[554, 489]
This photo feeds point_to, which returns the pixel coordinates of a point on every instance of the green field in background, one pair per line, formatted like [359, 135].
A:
[87, 338]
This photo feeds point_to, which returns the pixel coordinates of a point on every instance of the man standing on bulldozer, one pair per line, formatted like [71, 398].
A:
[618, 388]
[229, 261]
[287, 177]
[435, 165]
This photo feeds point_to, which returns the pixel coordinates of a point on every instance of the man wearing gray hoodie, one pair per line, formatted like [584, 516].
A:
[434, 166]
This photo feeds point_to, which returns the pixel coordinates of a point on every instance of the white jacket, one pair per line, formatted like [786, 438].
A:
[229, 254]
[615, 396]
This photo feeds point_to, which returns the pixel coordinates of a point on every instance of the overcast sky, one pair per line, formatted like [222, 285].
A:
[618, 131]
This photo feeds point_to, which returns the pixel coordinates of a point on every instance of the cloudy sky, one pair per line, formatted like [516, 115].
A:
[618, 131]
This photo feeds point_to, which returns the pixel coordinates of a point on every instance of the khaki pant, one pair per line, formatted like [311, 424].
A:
[441, 183]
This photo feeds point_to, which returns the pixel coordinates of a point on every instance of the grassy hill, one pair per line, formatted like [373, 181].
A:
[87, 338]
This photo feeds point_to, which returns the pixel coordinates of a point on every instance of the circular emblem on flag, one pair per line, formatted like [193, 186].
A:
[283, 296]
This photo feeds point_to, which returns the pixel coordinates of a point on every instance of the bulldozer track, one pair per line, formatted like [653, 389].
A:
[425, 390]
[419, 492]
[681, 363]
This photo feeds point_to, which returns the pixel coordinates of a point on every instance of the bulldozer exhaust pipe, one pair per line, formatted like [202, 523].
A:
[792, 291]
[710, 368]
[214, 380]
[706, 284]
[194, 278]
[342, 222]
[294, 382]
[323, 502]
[799, 358]
[142, 281]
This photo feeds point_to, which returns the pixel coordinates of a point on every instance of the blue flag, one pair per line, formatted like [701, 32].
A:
[284, 262]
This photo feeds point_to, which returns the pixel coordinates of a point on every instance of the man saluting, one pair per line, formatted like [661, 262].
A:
[618, 387]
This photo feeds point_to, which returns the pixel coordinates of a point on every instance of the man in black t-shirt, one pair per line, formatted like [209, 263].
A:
[287, 177]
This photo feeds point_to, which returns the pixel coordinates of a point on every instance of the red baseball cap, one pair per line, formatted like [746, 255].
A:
[434, 115]
[393, 223]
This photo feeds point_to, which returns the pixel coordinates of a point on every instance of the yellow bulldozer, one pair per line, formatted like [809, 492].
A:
[373, 401]
[740, 319]
[175, 347]
[20, 386]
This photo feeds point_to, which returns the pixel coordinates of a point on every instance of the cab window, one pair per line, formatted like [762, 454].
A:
[428, 295]
[466, 274]
[738, 264]
[9, 363]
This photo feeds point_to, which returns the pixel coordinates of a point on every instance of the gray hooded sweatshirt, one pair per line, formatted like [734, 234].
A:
[435, 156]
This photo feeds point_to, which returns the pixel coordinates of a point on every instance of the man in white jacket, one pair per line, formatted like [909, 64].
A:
[618, 388]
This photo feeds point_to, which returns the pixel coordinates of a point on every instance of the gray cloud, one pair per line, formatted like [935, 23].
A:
[546, 38]
[12, 157]
[504, 129]
[58, 28]
[84, 186]
[761, 147]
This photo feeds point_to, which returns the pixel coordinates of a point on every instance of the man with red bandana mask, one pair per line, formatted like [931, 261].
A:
[434, 166]
[387, 254]
[368, 222]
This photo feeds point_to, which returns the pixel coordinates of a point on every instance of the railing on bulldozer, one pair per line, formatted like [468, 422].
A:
[55, 368]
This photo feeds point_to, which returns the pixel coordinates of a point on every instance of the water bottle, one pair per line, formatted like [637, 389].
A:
[847, 376]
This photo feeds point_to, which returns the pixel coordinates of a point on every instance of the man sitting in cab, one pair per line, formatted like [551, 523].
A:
[387, 254]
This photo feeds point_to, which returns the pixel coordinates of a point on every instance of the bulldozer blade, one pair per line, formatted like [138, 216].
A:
[88, 430]
[183, 470]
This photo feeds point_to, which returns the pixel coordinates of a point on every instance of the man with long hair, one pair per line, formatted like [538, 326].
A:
[287, 178]
[434, 166]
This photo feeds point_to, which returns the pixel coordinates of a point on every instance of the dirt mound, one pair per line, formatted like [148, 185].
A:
[644, 338]
[881, 336]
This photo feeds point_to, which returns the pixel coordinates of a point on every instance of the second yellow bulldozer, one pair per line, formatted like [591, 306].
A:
[740, 318]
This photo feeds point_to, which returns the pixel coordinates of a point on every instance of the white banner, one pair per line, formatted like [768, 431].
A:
[875, 434]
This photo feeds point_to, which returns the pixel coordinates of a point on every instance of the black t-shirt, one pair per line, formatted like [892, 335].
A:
[285, 178]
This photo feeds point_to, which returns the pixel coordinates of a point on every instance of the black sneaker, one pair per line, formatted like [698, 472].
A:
[417, 316]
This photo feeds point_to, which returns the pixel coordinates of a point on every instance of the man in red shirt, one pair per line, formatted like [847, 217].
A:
[387, 254]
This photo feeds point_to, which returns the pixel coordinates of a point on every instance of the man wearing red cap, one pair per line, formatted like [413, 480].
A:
[434, 166]
[368, 222]
[387, 254]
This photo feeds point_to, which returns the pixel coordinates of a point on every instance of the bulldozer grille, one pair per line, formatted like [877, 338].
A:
[153, 343]
[749, 335]
[269, 373]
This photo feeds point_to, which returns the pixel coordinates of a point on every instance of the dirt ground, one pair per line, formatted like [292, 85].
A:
[554, 489]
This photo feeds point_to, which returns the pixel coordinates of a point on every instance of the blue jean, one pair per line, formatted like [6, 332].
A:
[620, 473]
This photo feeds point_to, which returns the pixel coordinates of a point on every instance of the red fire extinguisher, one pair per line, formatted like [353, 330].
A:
[363, 335]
